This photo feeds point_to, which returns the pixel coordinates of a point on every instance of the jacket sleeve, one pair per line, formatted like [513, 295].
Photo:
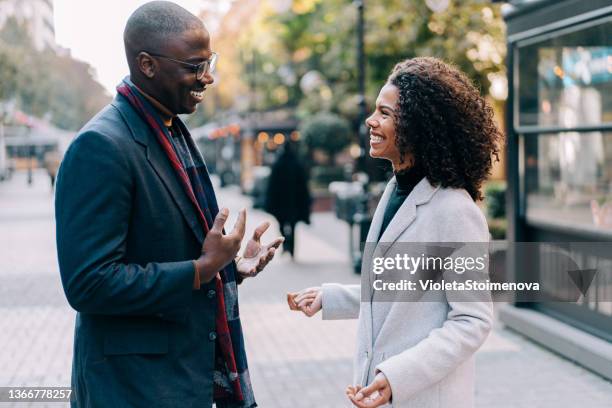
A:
[467, 325]
[93, 203]
[341, 301]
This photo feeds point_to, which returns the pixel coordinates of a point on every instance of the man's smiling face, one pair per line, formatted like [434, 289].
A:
[175, 85]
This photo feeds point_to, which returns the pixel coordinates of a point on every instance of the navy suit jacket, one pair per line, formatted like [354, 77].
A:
[126, 238]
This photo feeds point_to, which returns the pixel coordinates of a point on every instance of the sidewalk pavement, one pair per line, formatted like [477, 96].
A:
[294, 361]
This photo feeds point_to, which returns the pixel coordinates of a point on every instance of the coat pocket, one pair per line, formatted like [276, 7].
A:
[136, 341]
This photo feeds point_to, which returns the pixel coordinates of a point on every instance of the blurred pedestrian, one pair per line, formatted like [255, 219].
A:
[51, 162]
[287, 197]
[440, 136]
[142, 252]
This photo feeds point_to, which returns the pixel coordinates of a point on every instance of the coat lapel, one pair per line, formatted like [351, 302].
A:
[403, 218]
[158, 160]
[371, 245]
[377, 219]
[406, 214]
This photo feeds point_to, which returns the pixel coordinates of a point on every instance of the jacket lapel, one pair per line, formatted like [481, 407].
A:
[370, 250]
[377, 219]
[403, 218]
[158, 160]
[406, 214]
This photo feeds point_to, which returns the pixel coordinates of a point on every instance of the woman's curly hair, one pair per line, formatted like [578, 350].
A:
[444, 124]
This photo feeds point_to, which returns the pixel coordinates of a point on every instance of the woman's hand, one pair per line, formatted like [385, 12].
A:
[374, 395]
[309, 300]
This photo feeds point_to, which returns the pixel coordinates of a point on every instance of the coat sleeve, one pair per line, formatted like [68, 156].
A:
[467, 325]
[93, 203]
[341, 301]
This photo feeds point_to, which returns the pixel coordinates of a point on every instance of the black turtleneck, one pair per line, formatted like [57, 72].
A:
[406, 181]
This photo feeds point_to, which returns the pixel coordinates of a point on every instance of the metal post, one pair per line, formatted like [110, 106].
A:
[253, 82]
[3, 154]
[361, 73]
[361, 217]
[31, 156]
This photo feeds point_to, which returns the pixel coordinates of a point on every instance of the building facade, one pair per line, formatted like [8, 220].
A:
[559, 129]
[37, 14]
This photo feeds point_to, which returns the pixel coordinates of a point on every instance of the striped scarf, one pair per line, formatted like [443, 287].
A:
[232, 384]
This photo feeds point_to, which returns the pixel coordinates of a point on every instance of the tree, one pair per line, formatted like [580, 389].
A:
[321, 35]
[8, 73]
[328, 132]
[45, 84]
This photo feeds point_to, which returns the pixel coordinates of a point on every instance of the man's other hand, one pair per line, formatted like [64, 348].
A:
[256, 256]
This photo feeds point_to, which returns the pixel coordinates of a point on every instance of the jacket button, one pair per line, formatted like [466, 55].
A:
[211, 293]
[212, 336]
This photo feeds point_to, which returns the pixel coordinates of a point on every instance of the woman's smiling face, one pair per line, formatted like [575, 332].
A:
[382, 126]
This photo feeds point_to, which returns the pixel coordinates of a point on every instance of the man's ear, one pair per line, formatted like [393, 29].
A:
[147, 64]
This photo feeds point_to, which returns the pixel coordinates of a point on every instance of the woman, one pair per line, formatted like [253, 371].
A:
[439, 134]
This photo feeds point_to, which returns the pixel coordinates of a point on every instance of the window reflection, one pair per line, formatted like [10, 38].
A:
[566, 81]
[568, 179]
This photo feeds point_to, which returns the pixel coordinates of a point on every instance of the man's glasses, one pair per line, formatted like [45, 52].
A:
[201, 69]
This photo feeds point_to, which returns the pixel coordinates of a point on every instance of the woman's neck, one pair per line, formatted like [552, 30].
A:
[401, 167]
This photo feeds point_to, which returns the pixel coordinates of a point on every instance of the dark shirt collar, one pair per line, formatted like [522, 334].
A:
[409, 178]
[164, 112]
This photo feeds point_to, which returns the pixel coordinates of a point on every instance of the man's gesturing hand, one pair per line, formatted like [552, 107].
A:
[219, 250]
[256, 256]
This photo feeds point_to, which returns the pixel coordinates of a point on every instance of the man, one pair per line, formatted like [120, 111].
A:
[142, 252]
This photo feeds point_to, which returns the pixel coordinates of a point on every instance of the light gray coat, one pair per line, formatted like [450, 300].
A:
[425, 349]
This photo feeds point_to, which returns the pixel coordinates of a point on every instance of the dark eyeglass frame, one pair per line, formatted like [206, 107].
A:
[201, 69]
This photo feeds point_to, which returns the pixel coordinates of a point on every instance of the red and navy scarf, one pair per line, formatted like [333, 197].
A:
[232, 384]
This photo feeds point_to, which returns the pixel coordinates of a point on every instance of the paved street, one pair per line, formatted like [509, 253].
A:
[295, 361]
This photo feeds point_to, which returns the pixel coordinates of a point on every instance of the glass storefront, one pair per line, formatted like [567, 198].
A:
[568, 179]
[565, 80]
[560, 143]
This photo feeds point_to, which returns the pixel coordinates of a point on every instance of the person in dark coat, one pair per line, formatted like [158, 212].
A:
[287, 197]
[142, 253]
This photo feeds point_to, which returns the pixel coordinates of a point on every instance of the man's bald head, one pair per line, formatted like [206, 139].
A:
[152, 24]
